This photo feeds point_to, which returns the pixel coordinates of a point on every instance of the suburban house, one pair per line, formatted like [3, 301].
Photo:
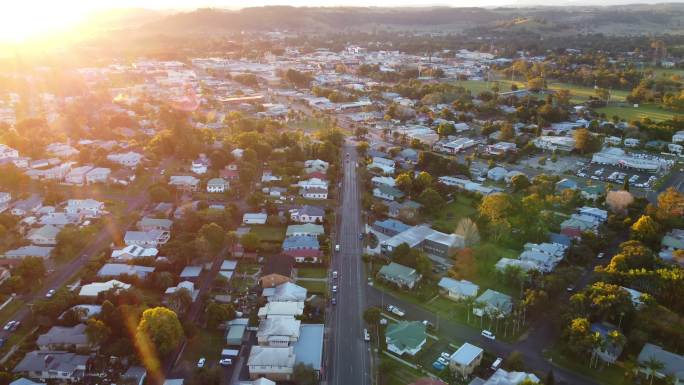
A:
[285, 292]
[133, 252]
[400, 275]
[387, 193]
[183, 285]
[5, 199]
[314, 193]
[281, 309]
[254, 218]
[273, 363]
[92, 290]
[29, 251]
[493, 303]
[127, 159]
[200, 165]
[423, 237]
[77, 175]
[672, 363]
[113, 270]
[387, 166]
[503, 377]
[63, 337]
[671, 242]
[307, 214]
[313, 183]
[307, 230]
[98, 175]
[89, 208]
[309, 348]
[184, 182]
[149, 224]
[152, 238]
[277, 270]
[52, 365]
[278, 331]
[390, 227]
[407, 210]
[457, 289]
[315, 165]
[405, 337]
[464, 360]
[611, 349]
[300, 242]
[27, 206]
[377, 181]
[191, 273]
[46, 235]
[217, 185]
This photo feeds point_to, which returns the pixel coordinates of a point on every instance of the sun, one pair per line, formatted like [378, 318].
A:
[23, 20]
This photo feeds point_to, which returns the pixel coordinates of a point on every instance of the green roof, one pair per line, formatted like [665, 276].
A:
[399, 272]
[406, 334]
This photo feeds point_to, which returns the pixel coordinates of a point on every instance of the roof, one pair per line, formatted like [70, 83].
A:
[307, 228]
[282, 309]
[392, 225]
[493, 298]
[47, 231]
[300, 242]
[312, 211]
[466, 354]
[280, 264]
[61, 335]
[673, 364]
[398, 271]
[389, 190]
[117, 269]
[155, 222]
[228, 264]
[44, 360]
[309, 348]
[25, 381]
[503, 377]
[29, 251]
[272, 357]
[287, 291]
[191, 272]
[406, 334]
[462, 287]
[95, 288]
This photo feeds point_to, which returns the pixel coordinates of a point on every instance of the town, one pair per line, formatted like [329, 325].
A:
[389, 209]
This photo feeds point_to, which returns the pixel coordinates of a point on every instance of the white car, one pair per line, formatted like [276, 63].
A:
[366, 335]
[334, 289]
[337, 248]
[226, 362]
[445, 355]
[488, 334]
[201, 362]
[442, 361]
[8, 326]
[335, 274]
[50, 293]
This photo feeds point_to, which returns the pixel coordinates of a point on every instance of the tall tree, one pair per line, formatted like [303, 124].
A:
[161, 328]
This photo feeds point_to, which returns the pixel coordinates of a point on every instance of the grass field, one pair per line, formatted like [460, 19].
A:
[609, 375]
[628, 113]
[314, 286]
[448, 218]
[395, 373]
[269, 233]
[312, 272]
[207, 344]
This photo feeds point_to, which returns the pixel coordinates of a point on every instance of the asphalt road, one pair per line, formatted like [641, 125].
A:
[349, 353]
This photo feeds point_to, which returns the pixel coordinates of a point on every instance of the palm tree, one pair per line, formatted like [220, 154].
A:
[468, 302]
[653, 365]
[481, 307]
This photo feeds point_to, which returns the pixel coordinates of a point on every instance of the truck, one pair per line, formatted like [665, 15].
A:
[395, 310]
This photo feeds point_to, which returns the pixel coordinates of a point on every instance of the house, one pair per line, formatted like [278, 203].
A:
[497, 173]
[405, 337]
[4, 275]
[555, 143]
[62, 337]
[237, 153]
[316, 165]
[122, 177]
[503, 377]
[133, 252]
[309, 348]
[314, 193]
[464, 360]
[184, 182]
[254, 218]
[566, 184]
[29, 251]
[493, 303]
[457, 289]
[230, 172]
[273, 363]
[672, 363]
[152, 238]
[306, 230]
[112, 270]
[217, 185]
[599, 214]
[25, 381]
[300, 242]
[191, 273]
[128, 159]
[5, 199]
[89, 208]
[92, 290]
[276, 271]
[386, 166]
[433, 242]
[383, 181]
[285, 292]
[308, 214]
[407, 210]
[83, 311]
[200, 165]
[592, 192]
[281, 309]
[387, 193]
[235, 335]
[280, 331]
[149, 224]
[611, 349]
[77, 175]
[52, 365]
[390, 227]
[27, 206]
[61, 150]
[46, 235]
[98, 175]
[135, 375]
[7, 152]
[400, 275]
[184, 285]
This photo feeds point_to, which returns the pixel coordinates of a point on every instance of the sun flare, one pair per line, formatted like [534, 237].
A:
[25, 20]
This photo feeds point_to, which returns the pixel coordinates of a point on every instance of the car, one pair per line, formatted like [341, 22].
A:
[361, 236]
[50, 293]
[334, 289]
[334, 273]
[438, 366]
[428, 324]
[442, 361]
[570, 289]
[600, 255]
[395, 310]
[487, 334]
[366, 335]
[334, 301]
[8, 326]
[337, 247]
[16, 325]
[496, 363]
[347, 155]
[201, 362]
[225, 362]
[445, 355]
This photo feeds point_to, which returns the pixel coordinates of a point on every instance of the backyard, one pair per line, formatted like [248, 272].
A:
[447, 219]
[312, 272]
[319, 287]
[269, 233]
[206, 343]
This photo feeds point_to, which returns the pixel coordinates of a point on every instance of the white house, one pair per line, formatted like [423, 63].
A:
[217, 185]
[93, 289]
[77, 175]
[386, 165]
[152, 238]
[254, 218]
[314, 193]
[308, 214]
[315, 165]
[127, 159]
[184, 182]
[98, 175]
[90, 208]
[313, 183]
[46, 235]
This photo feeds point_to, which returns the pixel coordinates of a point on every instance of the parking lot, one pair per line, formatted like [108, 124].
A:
[617, 175]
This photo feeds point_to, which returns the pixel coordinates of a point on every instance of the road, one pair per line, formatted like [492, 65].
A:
[349, 353]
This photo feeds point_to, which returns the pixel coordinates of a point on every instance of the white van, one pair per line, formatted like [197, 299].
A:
[337, 248]
[366, 335]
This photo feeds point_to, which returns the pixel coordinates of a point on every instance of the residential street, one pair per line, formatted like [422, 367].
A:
[349, 353]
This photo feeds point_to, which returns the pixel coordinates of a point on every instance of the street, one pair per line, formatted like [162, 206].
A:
[349, 353]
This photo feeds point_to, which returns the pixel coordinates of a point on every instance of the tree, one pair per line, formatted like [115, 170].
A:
[515, 362]
[423, 180]
[97, 332]
[218, 313]
[159, 194]
[431, 201]
[507, 132]
[372, 315]
[159, 328]
[180, 300]
[304, 375]
[584, 140]
[520, 182]
[496, 207]
[31, 269]
[671, 204]
[404, 182]
[467, 228]
[646, 229]
[250, 241]
[653, 365]
[465, 265]
[214, 234]
[579, 338]
[618, 201]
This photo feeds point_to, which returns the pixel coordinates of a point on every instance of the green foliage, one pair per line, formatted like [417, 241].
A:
[218, 313]
[161, 327]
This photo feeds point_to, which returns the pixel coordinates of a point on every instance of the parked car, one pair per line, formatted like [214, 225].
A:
[337, 248]
[600, 255]
[335, 274]
[50, 293]
[395, 310]
[445, 355]
[488, 334]
[366, 335]
[8, 326]
[334, 289]
[442, 361]
[226, 362]
[201, 362]
[334, 301]
[438, 366]
[428, 324]
[496, 364]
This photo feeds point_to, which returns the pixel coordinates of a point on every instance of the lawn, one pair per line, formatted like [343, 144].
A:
[608, 375]
[207, 344]
[396, 373]
[268, 233]
[311, 124]
[314, 286]
[312, 272]
[651, 111]
[487, 254]
[8, 311]
[447, 219]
